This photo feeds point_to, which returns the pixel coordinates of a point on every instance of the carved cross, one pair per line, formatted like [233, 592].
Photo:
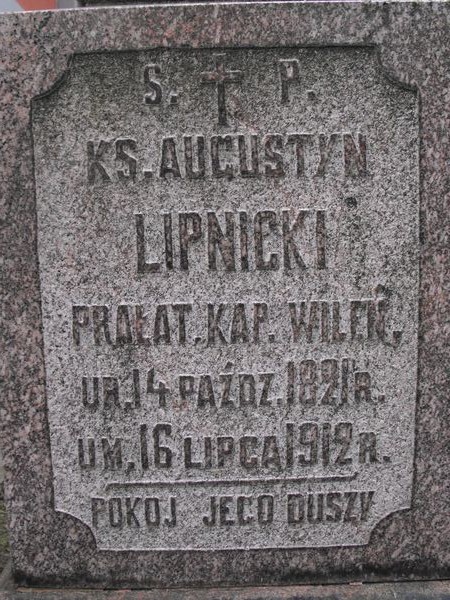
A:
[220, 77]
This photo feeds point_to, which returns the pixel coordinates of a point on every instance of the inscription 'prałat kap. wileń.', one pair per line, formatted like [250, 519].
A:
[228, 247]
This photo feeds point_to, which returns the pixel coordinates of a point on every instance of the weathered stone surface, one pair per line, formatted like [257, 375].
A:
[307, 207]
[429, 590]
[229, 294]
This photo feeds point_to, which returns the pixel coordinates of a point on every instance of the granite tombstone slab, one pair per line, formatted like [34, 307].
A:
[225, 294]
[223, 347]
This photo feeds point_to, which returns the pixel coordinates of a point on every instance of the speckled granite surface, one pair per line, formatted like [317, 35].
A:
[432, 590]
[52, 549]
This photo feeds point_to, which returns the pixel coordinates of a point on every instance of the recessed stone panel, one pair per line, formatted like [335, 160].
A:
[228, 252]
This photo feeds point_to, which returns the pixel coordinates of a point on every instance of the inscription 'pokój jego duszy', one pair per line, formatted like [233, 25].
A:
[228, 247]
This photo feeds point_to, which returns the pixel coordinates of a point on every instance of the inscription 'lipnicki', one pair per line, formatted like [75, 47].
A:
[228, 248]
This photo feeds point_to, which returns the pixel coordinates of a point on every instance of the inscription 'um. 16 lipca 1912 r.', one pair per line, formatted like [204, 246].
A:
[228, 249]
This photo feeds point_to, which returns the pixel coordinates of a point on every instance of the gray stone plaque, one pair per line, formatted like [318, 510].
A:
[228, 250]
[225, 294]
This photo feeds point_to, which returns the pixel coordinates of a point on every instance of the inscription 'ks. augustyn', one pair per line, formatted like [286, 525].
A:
[201, 156]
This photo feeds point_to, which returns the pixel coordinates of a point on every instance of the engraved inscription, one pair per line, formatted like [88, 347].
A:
[219, 77]
[219, 234]
[289, 73]
[228, 251]
[197, 157]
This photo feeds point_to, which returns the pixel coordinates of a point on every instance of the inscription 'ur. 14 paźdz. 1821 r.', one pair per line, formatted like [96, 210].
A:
[228, 249]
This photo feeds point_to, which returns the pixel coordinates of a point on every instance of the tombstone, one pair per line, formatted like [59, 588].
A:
[225, 297]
